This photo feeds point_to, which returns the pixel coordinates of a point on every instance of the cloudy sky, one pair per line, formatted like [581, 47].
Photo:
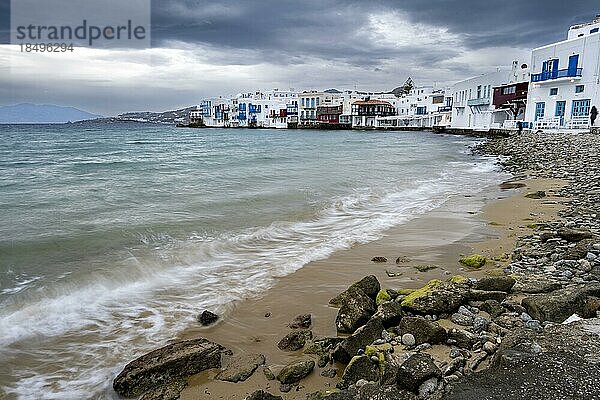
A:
[204, 48]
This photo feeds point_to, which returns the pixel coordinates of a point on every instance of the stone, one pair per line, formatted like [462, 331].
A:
[295, 340]
[295, 371]
[390, 313]
[455, 365]
[167, 364]
[489, 347]
[461, 319]
[361, 338]
[379, 259]
[372, 391]
[302, 321]
[574, 235]
[416, 370]
[382, 296]
[495, 284]
[170, 391]
[462, 338]
[492, 307]
[560, 304]
[484, 295]
[408, 339]
[540, 194]
[428, 388]
[480, 324]
[473, 261]
[269, 375]
[369, 285]
[262, 395]
[357, 304]
[241, 368]
[579, 251]
[207, 318]
[329, 373]
[534, 284]
[436, 297]
[360, 367]
[423, 331]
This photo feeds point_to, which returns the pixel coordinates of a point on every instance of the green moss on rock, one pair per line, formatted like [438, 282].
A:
[473, 261]
[382, 296]
[458, 279]
[417, 293]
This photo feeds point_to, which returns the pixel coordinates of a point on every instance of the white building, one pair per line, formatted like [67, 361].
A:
[472, 106]
[565, 80]
[423, 107]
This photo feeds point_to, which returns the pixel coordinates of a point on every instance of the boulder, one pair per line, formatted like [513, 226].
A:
[495, 284]
[369, 285]
[167, 364]
[360, 367]
[390, 313]
[436, 298]
[262, 395]
[170, 391]
[207, 318]
[379, 259]
[561, 304]
[363, 337]
[484, 295]
[372, 391]
[492, 307]
[573, 235]
[462, 338]
[579, 251]
[295, 371]
[416, 370]
[473, 261]
[302, 321]
[241, 368]
[559, 363]
[295, 340]
[423, 331]
[534, 284]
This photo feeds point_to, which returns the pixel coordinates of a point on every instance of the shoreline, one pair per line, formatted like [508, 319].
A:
[540, 284]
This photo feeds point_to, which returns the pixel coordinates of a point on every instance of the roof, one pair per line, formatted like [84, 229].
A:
[372, 103]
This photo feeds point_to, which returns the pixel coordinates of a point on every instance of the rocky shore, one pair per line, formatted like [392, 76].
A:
[527, 330]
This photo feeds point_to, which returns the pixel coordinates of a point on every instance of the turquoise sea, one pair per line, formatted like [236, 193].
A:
[114, 237]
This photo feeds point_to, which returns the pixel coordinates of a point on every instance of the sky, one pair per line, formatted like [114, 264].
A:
[205, 48]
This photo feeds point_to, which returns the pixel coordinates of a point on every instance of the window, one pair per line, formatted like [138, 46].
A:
[303, 102]
[318, 100]
[579, 88]
[509, 90]
[581, 108]
[479, 91]
[539, 110]
[560, 108]
[595, 30]
[312, 103]
[553, 91]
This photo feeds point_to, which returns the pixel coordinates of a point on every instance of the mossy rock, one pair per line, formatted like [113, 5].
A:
[473, 261]
[383, 296]
[495, 272]
[425, 268]
[504, 257]
[540, 194]
[436, 297]
[404, 292]
[458, 279]
[533, 226]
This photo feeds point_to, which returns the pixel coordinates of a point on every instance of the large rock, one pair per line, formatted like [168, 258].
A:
[390, 313]
[423, 331]
[369, 285]
[360, 367]
[574, 235]
[436, 297]
[363, 337]
[416, 370]
[357, 304]
[484, 295]
[207, 318]
[262, 395]
[241, 368]
[165, 365]
[495, 283]
[578, 251]
[534, 284]
[295, 340]
[302, 321]
[295, 371]
[462, 338]
[372, 391]
[561, 304]
[562, 362]
[170, 391]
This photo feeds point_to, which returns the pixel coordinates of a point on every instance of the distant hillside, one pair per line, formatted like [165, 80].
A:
[41, 114]
[166, 117]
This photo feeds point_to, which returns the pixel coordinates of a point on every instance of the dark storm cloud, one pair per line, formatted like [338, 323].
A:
[4, 21]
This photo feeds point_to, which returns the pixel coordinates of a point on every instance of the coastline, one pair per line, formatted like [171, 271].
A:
[440, 237]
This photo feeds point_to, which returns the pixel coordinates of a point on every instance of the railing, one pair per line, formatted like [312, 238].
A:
[579, 123]
[484, 101]
[547, 123]
[444, 108]
[561, 73]
[510, 124]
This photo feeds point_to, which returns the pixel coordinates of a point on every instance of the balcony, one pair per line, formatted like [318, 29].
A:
[561, 73]
[444, 108]
[484, 101]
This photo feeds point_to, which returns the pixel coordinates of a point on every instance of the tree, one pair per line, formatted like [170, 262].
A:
[593, 114]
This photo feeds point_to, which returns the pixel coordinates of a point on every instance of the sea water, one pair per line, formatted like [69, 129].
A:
[114, 237]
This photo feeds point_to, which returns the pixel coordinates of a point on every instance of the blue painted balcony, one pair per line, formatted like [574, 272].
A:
[484, 101]
[560, 73]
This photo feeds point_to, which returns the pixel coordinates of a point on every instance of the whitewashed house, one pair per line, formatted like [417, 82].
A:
[423, 107]
[565, 80]
[472, 106]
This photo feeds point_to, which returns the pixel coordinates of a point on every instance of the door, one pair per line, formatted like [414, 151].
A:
[554, 72]
[539, 110]
[573, 62]
[560, 111]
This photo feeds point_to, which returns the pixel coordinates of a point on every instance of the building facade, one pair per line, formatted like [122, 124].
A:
[365, 112]
[565, 80]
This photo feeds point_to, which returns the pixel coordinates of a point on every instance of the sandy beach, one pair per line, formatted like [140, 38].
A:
[488, 224]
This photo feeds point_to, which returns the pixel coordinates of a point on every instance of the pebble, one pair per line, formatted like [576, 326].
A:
[489, 347]
[408, 339]
[526, 317]
[534, 325]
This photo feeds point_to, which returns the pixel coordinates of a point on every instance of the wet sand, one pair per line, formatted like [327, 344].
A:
[488, 224]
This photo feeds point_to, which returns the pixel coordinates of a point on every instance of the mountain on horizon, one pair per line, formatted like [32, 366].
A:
[27, 113]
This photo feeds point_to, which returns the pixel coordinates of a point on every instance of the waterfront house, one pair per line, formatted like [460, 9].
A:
[565, 80]
[510, 99]
[365, 112]
[423, 107]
